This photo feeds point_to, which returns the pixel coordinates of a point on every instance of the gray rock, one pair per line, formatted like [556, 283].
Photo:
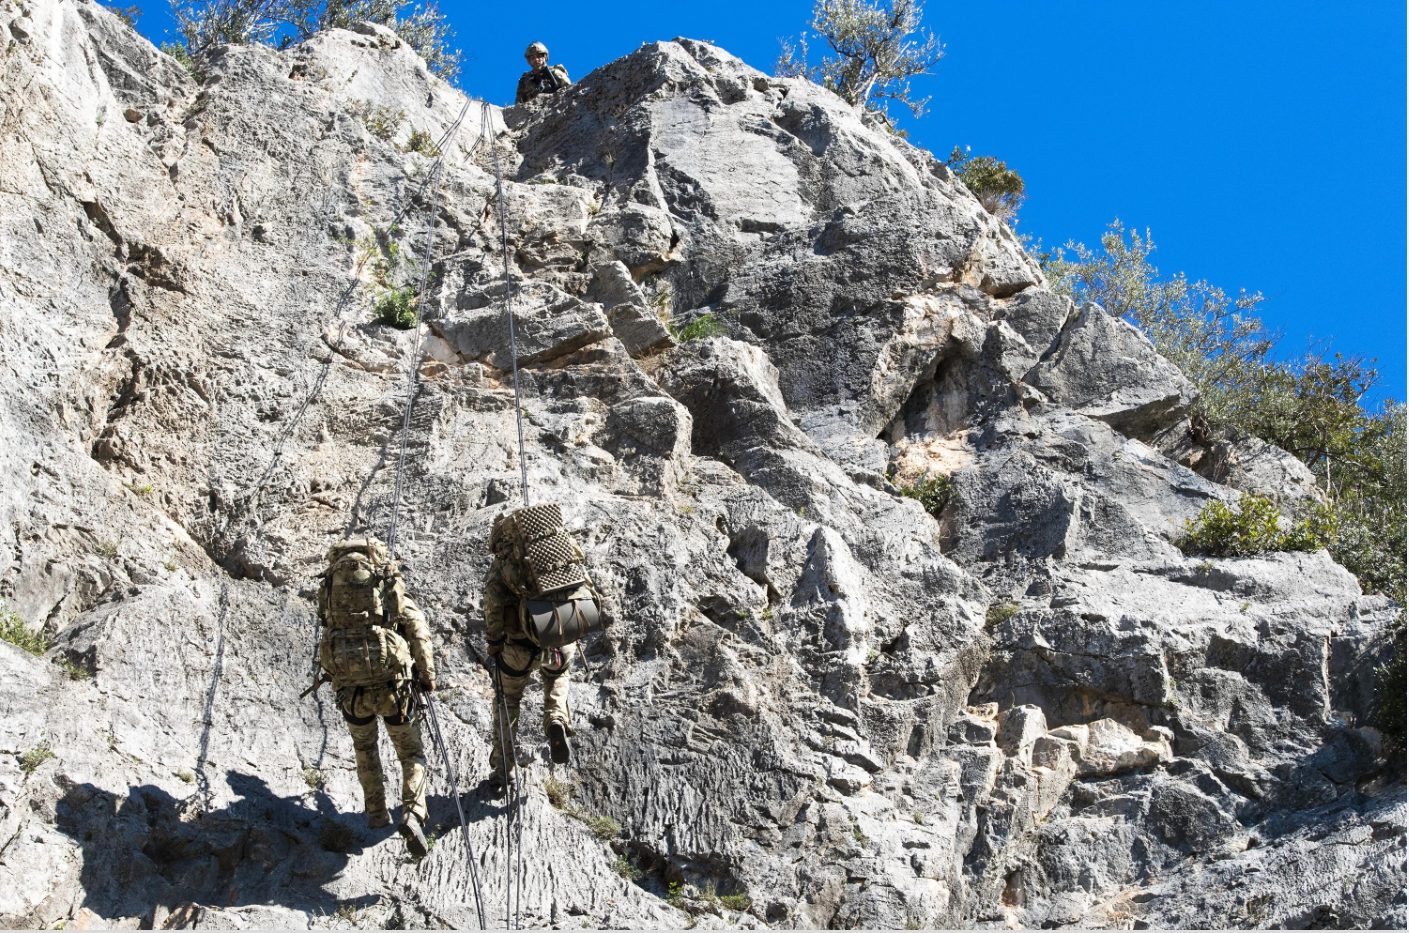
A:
[800, 699]
[1106, 369]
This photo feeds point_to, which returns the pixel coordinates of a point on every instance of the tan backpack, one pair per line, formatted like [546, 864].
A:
[559, 605]
[360, 646]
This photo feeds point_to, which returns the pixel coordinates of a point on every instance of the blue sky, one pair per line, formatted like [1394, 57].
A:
[1261, 143]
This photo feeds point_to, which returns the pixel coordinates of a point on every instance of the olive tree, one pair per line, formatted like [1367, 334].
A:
[204, 24]
[877, 46]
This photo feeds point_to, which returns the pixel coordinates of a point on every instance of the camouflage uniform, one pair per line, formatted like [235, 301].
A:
[503, 591]
[360, 707]
[545, 80]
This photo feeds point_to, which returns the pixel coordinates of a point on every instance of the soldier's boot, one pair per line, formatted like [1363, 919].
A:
[410, 830]
[557, 711]
[369, 772]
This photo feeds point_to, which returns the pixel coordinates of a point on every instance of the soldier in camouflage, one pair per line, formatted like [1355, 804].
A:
[541, 78]
[517, 655]
[361, 577]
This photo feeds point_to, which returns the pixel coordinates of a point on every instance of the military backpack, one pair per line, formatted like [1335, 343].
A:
[360, 646]
[559, 605]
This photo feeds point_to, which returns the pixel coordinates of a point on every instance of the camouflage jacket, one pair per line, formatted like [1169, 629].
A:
[504, 592]
[544, 80]
[407, 617]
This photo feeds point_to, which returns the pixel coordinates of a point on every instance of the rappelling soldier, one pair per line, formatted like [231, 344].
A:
[376, 650]
[538, 601]
[541, 78]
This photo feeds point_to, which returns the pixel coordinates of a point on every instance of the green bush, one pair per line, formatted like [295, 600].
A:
[36, 756]
[13, 630]
[739, 902]
[381, 122]
[1000, 612]
[626, 868]
[1388, 714]
[395, 307]
[421, 142]
[1253, 527]
[998, 188]
[603, 827]
[931, 490]
[702, 327]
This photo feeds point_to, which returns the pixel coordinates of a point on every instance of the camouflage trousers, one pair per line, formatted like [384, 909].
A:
[516, 664]
[360, 707]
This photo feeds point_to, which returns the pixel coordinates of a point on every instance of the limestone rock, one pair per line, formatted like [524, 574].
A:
[1019, 708]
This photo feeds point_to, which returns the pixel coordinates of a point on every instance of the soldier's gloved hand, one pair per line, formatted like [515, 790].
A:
[496, 649]
[427, 683]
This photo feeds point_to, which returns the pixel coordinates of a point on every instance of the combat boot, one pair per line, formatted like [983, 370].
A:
[410, 830]
[558, 747]
[376, 819]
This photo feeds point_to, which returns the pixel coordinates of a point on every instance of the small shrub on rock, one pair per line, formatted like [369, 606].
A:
[36, 756]
[702, 327]
[13, 630]
[395, 307]
[381, 122]
[998, 613]
[932, 491]
[421, 143]
[1253, 527]
[334, 836]
[1390, 689]
[739, 902]
[626, 868]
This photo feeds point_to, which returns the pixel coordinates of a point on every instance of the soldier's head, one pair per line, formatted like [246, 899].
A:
[537, 55]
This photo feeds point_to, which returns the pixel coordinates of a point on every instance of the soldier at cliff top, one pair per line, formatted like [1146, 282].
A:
[375, 648]
[541, 78]
[534, 609]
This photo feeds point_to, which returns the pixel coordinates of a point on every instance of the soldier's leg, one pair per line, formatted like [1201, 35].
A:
[557, 712]
[515, 664]
[557, 677]
[406, 738]
[369, 763]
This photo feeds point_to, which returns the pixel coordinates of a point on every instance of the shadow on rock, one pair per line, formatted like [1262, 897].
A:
[148, 849]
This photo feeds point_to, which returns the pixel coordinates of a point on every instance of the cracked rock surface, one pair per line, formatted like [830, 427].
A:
[818, 702]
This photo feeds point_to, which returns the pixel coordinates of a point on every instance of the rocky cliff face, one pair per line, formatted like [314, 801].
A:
[1030, 709]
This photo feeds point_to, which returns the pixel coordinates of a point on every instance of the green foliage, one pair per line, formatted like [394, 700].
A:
[932, 491]
[603, 827]
[1254, 527]
[626, 868]
[312, 777]
[559, 794]
[128, 14]
[74, 671]
[422, 144]
[186, 776]
[13, 630]
[1001, 612]
[1390, 687]
[381, 122]
[108, 549]
[36, 756]
[183, 58]
[1312, 406]
[739, 902]
[675, 895]
[998, 188]
[877, 47]
[702, 327]
[396, 307]
[205, 24]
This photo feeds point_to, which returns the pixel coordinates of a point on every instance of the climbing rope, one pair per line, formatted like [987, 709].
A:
[485, 128]
[426, 700]
[513, 856]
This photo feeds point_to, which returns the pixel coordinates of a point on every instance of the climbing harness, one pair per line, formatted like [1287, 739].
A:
[513, 860]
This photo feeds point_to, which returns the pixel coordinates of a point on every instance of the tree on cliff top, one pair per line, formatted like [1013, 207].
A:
[877, 45]
[205, 24]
